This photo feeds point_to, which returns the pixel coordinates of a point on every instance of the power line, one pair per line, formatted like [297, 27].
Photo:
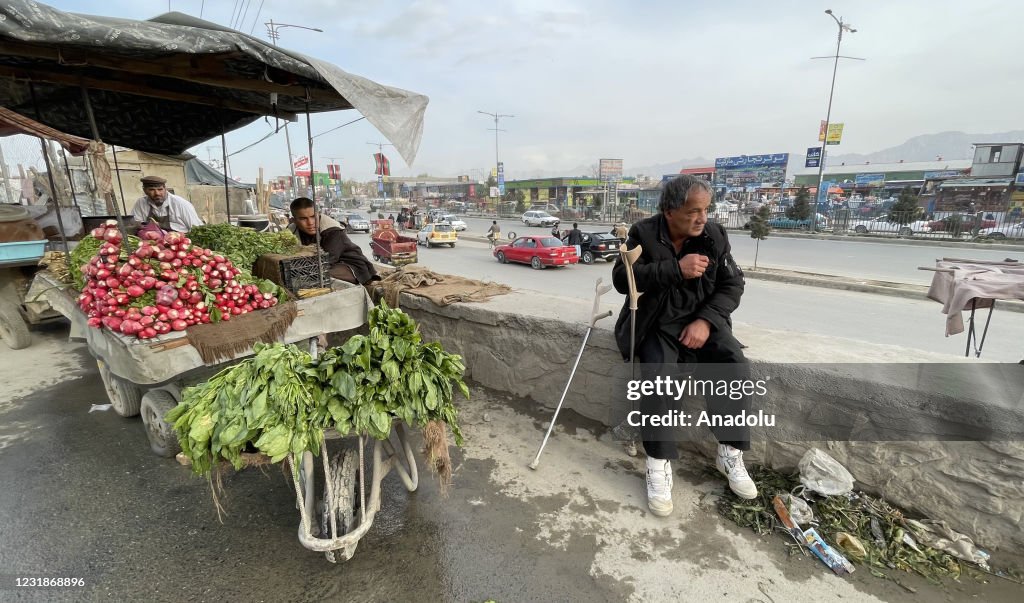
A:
[339, 127]
[241, 22]
[257, 19]
[233, 10]
[201, 7]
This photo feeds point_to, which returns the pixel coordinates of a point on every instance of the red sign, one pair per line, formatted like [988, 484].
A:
[472, 190]
[302, 166]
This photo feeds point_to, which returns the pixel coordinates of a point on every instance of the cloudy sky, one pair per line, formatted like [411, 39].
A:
[648, 82]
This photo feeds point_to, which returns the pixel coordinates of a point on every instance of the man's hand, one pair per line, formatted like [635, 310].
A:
[695, 334]
[693, 265]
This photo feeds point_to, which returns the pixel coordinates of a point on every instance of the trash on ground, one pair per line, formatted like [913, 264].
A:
[823, 474]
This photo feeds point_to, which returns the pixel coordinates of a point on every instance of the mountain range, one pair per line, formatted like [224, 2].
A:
[926, 147]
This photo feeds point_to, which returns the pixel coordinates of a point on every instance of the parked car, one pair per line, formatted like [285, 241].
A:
[547, 207]
[457, 223]
[354, 222]
[437, 234]
[781, 222]
[537, 251]
[882, 224]
[539, 218]
[1004, 231]
[597, 246]
[966, 223]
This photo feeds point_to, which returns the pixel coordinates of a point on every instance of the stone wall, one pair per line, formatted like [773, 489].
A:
[525, 344]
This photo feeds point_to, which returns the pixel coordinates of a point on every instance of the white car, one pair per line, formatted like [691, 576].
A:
[539, 218]
[357, 222]
[1005, 231]
[455, 221]
[882, 224]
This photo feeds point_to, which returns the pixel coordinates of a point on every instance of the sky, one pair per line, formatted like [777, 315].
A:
[650, 82]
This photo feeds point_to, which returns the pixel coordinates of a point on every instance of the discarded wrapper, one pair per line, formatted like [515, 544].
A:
[100, 407]
[828, 555]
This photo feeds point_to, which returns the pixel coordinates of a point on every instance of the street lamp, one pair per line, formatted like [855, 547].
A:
[497, 164]
[828, 115]
[272, 33]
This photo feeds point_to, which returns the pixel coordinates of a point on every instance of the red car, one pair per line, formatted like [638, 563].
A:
[539, 251]
[966, 223]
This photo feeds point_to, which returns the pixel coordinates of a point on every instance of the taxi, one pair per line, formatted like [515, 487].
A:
[437, 234]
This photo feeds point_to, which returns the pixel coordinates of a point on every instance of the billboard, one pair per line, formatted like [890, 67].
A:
[746, 171]
[823, 191]
[943, 174]
[813, 157]
[301, 165]
[835, 133]
[610, 170]
[869, 179]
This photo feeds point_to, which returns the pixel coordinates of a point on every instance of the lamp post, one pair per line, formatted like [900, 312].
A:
[498, 172]
[828, 114]
[272, 33]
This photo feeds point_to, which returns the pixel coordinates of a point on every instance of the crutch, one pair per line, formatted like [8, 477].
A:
[628, 433]
[595, 316]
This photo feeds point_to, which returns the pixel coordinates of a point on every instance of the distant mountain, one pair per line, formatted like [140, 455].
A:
[928, 147]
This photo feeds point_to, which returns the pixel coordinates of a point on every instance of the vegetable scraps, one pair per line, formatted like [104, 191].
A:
[281, 400]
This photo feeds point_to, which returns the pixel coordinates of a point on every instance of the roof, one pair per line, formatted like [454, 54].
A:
[976, 182]
[197, 172]
[906, 166]
[174, 81]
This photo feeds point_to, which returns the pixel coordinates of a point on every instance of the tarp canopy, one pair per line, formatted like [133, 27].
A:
[15, 123]
[197, 172]
[174, 81]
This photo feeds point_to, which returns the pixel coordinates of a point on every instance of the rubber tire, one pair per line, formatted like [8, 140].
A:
[861, 229]
[163, 440]
[501, 257]
[376, 258]
[125, 397]
[430, 245]
[587, 257]
[13, 328]
[453, 245]
[344, 471]
[610, 258]
[536, 264]
[803, 227]
[906, 232]
[997, 236]
[512, 235]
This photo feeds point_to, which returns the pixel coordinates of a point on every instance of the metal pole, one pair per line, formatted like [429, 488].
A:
[316, 210]
[227, 192]
[287, 138]
[496, 161]
[96, 136]
[824, 143]
[49, 173]
[71, 180]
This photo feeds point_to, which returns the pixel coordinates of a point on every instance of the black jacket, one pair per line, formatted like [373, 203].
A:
[713, 297]
[342, 250]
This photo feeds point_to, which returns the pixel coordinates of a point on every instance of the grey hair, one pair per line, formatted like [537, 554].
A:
[675, 192]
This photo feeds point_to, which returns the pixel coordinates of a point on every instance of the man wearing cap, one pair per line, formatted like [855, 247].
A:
[168, 210]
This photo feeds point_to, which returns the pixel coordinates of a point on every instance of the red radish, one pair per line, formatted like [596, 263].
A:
[178, 304]
[173, 314]
[148, 333]
[179, 325]
[95, 322]
[147, 321]
[136, 291]
[150, 311]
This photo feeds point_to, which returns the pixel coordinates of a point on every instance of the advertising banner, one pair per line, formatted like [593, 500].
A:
[823, 191]
[942, 174]
[869, 179]
[813, 157]
[745, 171]
[835, 133]
[301, 164]
[610, 170]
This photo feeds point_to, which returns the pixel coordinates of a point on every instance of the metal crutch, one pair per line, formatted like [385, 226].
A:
[595, 316]
[629, 434]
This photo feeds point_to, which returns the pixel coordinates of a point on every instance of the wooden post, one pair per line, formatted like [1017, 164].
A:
[209, 211]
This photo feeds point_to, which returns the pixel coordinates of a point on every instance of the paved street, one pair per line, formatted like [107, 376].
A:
[84, 497]
[864, 316]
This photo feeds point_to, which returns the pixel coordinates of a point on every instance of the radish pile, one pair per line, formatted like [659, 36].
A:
[165, 285]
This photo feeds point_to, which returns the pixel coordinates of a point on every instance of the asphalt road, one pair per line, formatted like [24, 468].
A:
[862, 316]
[861, 259]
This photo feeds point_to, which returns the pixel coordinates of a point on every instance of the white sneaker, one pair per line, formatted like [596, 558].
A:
[659, 486]
[730, 463]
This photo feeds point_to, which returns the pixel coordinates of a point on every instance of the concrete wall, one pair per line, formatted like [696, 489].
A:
[525, 343]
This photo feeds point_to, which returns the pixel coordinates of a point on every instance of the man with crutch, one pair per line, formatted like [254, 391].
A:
[688, 286]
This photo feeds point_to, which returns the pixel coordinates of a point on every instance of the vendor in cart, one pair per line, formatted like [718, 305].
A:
[167, 210]
[346, 258]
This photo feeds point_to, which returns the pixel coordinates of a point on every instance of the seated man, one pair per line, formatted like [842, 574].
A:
[160, 206]
[346, 259]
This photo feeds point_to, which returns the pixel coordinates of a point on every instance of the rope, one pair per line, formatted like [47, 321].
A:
[329, 488]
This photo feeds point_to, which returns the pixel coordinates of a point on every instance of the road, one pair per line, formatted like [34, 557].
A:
[863, 316]
[861, 259]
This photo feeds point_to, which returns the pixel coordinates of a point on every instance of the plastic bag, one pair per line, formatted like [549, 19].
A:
[798, 509]
[823, 474]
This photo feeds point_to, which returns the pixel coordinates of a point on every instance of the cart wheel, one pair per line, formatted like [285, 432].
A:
[13, 329]
[162, 438]
[125, 397]
[344, 471]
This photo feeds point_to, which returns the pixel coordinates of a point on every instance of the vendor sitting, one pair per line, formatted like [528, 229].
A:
[163, 208]
[346, 259]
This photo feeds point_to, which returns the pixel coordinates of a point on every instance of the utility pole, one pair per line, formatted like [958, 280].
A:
[498, 168]
[828, 114]
[380, 177]
[274, 34]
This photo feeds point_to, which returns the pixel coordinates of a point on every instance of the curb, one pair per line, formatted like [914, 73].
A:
[828, 281]
[891, 240]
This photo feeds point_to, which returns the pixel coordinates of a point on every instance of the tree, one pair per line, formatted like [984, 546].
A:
[520, 201]
[801, 208]
[906, 209]
[759, 229]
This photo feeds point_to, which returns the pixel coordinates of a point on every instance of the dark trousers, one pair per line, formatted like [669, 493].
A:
[660, 350]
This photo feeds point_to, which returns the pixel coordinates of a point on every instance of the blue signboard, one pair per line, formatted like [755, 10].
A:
[869, 179]
[1020, 179]
[752, 161]
[823, 191]
[942, 174]
[813, 157]
[380, 184]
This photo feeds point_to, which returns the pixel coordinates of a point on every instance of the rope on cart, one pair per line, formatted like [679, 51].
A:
[362, 483]
[329, 503]
[298, 493]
